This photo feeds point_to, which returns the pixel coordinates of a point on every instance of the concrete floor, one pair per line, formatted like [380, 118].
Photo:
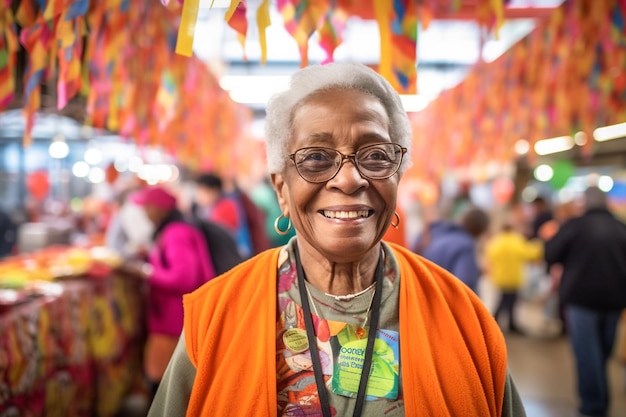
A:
[544, 373]
[540, 361]
[542, 364]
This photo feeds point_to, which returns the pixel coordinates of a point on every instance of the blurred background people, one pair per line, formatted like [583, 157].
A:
[234, 210]
[591, 249]
[8, 234]
[179, 262]
[453, 246]
[264, 197]
[541, 213]
[506, 255]
[129, 231]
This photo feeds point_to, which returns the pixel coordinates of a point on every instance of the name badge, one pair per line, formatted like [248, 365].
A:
[349, 359]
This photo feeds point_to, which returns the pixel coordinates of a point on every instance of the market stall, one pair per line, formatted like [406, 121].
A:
[72, 343]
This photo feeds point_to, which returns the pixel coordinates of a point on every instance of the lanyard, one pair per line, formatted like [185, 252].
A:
[310, 333]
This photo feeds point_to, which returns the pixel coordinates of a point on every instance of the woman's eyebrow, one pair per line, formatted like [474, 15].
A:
[325, 137]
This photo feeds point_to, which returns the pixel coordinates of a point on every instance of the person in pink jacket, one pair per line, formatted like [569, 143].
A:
[178, 263]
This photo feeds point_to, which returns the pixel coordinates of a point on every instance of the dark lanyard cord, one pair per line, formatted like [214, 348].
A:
[310, 333]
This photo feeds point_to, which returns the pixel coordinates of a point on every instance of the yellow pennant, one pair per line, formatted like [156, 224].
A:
[262, 22]
[48, 13]
[383, 10]
[231, 9]
[184, 42]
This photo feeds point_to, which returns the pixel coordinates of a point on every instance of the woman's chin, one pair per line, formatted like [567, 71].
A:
[344, 248]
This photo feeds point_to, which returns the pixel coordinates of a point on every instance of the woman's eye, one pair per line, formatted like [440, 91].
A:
[375, 155]
[316, 156]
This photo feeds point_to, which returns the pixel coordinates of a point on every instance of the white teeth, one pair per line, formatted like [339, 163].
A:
[346, 214]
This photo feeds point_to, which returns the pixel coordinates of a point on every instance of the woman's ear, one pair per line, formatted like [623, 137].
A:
[282, 193]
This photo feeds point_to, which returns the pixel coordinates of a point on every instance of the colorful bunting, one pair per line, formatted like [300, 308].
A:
[565, 76]
[236, 19]
[37, 41]
[404, 46]
[301, 19]
[70, 31]
[26, 13]
[330, 34]
[262, 22]
[184, 44]
[140, 78]
[8, 49]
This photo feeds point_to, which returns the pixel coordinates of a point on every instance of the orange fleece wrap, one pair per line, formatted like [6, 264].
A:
[452, 353]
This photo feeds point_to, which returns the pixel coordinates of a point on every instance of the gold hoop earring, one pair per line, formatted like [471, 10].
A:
[397, 223]
[276, 223]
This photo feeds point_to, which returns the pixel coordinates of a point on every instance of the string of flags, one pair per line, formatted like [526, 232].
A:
[133, 63]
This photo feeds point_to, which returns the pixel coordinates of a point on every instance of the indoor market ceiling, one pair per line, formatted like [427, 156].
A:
[458, 53]
[446, 51]
[453, 42]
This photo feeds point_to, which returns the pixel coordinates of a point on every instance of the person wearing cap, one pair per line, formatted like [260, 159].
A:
[592, 252]
[179, 263]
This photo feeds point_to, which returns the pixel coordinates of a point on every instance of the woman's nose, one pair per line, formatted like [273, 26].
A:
[348, 177]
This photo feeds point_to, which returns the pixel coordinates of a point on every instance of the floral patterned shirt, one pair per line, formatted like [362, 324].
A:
[341, 342]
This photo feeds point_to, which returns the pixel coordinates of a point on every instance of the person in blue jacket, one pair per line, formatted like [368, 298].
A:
[453, 245]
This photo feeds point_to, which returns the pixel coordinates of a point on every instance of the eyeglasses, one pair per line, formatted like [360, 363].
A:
[376, 162]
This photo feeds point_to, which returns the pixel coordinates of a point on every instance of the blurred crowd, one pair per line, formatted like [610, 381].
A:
[566, 258]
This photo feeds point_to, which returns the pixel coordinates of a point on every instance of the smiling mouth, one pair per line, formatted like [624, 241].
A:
[353, 214]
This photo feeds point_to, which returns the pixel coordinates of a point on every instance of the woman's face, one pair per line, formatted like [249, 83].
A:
[346, 216]
[155, 214]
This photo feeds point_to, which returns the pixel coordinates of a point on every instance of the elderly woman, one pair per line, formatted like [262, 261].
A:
[289, 332]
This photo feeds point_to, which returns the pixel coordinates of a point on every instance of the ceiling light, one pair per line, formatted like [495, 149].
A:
[253, 89]
[543, 173]
[580, 138]
[96, 175]
[554, 145]
[93, 156]
[522, 146]
[414, 102]
[617, 131]
[605, 183]
[80, 169]
[258, 96]
[529, 194]
[59, 149]
[134, 164]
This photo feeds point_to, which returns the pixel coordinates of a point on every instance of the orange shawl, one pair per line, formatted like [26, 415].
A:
[452, 353]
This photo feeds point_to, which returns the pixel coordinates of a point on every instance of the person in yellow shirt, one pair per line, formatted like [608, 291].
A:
[506, 254]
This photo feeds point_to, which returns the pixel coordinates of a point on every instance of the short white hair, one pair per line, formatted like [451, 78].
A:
[305, 82]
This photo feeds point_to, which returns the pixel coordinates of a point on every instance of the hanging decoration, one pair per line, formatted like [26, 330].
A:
[38, 184]
[187, 28]
[120, 55]
[263, 22]
[397, 23]
[8, 49]
[236, 19]
[566, 76]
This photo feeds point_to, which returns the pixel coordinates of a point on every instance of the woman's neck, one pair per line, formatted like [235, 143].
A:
[339, 279]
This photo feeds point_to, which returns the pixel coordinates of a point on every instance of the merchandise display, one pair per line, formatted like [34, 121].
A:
[73, 329]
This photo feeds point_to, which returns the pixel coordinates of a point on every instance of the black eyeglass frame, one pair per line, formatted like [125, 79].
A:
[351, 157]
